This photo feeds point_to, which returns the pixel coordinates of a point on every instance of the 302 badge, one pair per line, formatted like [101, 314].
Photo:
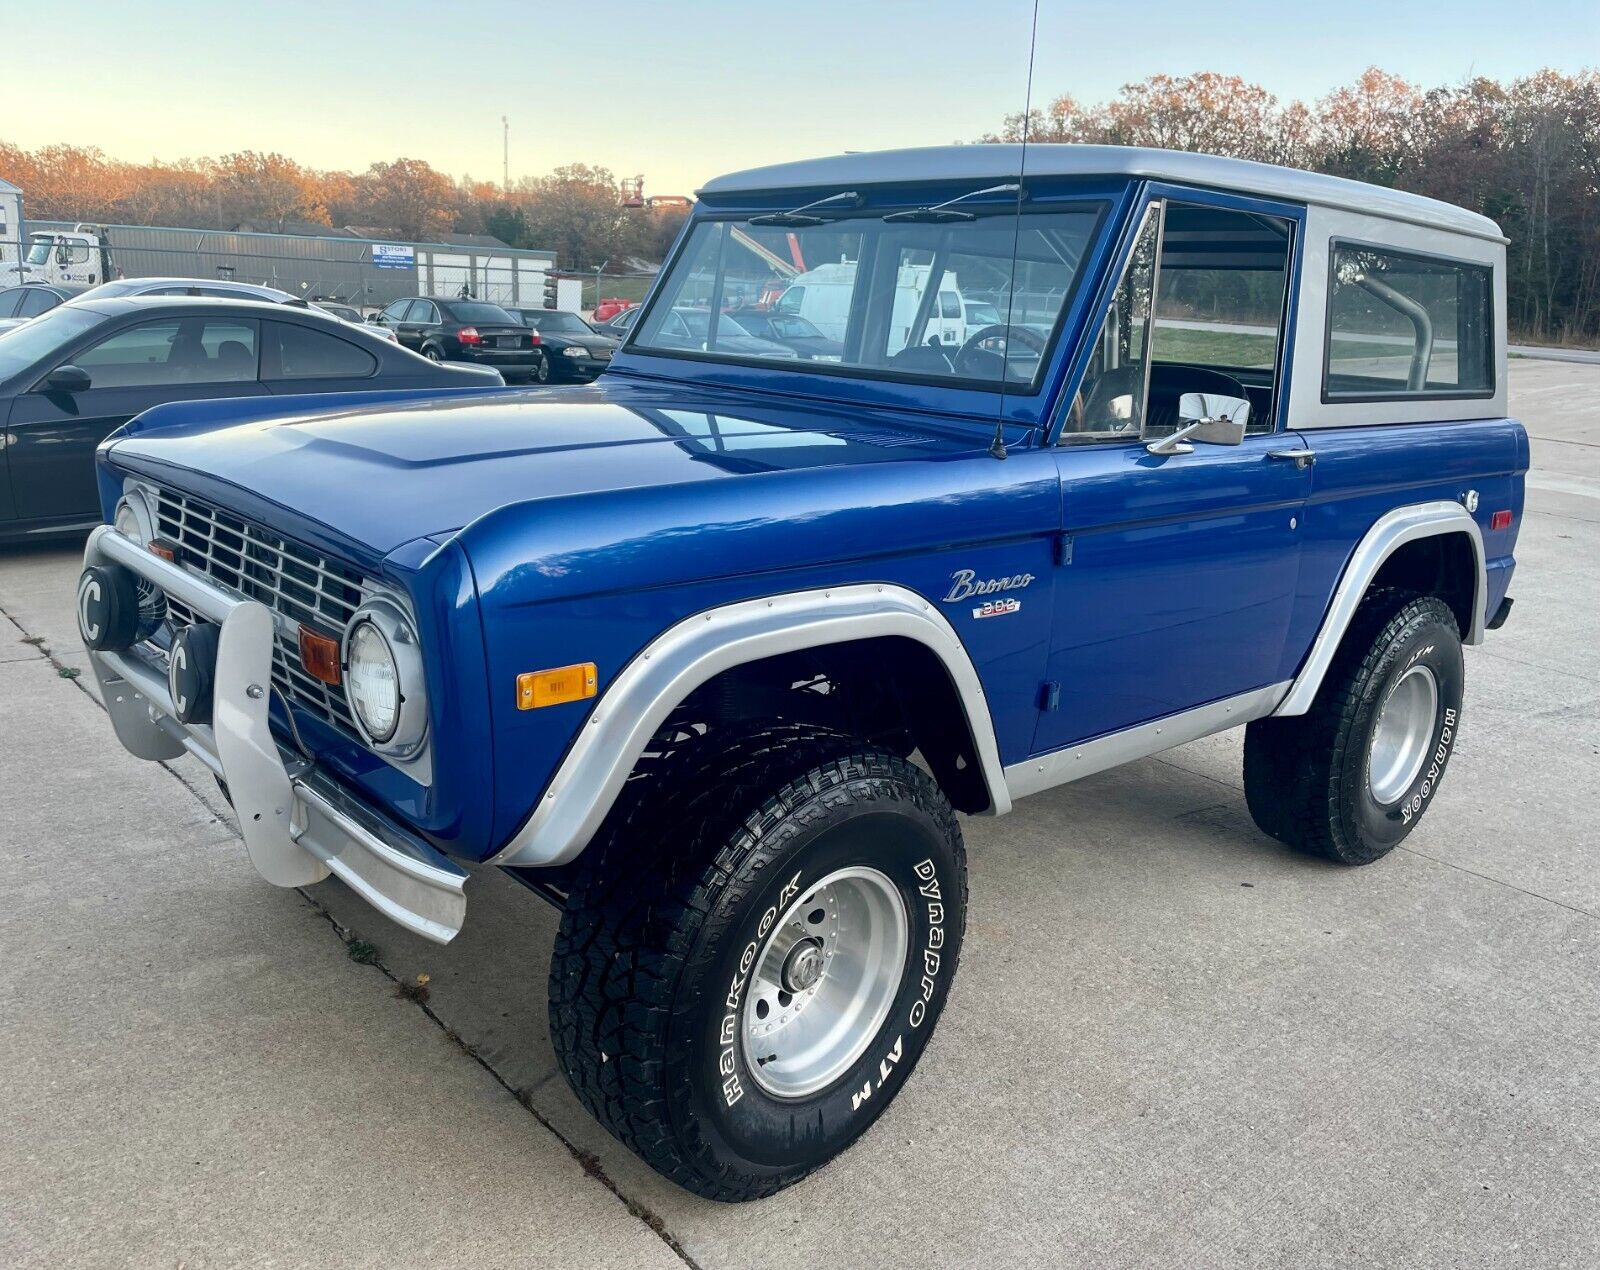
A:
[997, 608]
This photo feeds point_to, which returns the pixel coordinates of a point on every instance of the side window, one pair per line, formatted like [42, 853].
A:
[949, 306]
[422, 311]
[37, 302]
[396, 311]
[174, 351]
[791, 301]
[1219, 313]
[307, 354]
[228, 350]
[1111, 397]
[136, 357]
[9, 301]
[1401, 325]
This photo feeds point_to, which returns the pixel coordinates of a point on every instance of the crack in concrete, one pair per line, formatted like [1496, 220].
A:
[586, 1160]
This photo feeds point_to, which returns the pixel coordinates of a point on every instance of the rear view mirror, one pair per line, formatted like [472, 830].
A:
[68, 379]
[1212, 418]
[1219, 419]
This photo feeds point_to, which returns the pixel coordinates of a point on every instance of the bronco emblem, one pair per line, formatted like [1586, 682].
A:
[964, 584]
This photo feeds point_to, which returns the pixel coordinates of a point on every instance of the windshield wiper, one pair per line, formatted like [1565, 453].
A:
[944, 212]
[797, 217]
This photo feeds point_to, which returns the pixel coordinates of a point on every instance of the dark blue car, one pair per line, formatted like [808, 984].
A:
[712, 653]
[73, 376]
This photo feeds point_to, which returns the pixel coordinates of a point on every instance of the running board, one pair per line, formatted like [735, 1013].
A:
[1112, 750]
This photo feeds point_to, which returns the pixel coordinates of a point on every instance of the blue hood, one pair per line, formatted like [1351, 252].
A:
[374, 476]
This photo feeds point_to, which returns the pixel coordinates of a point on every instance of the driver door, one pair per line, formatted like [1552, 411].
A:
[1177, 573]
[54, 433]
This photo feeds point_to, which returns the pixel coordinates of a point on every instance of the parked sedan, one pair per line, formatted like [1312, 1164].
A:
[792, 331]
[618, 325]
[574, 350]
[69, 378]
[199, 287]
[22, 304]
[466, 331]
[349, 313]
[690, 330]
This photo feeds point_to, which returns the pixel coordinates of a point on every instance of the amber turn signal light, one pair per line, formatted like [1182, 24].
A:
[536, 688]
[165, 550]
[319, 654]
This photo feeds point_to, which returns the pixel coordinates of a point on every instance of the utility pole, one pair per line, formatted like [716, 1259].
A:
[505, 156]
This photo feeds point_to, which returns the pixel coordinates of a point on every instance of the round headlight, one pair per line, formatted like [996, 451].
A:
[372, 681]
[127, 523]
[135, 523]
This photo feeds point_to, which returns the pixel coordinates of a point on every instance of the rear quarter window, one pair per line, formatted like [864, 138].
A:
[306, 354]
[1407, 326]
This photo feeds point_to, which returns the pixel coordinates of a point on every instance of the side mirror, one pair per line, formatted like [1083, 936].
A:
[67, 379]
[1213, 418]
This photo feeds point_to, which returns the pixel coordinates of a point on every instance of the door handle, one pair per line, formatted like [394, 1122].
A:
[1302, 459]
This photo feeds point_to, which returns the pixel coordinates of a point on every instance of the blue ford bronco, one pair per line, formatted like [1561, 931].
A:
[1041, 462]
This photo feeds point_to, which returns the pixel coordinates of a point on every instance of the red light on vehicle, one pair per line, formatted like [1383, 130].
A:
[1500, 520]
[469, 335]
[319, 654]
[533, 337]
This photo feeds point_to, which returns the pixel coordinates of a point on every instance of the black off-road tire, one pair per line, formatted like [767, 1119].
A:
[1306, 778]
[667, 907]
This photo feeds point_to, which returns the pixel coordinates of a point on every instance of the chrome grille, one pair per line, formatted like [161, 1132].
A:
[300, 586]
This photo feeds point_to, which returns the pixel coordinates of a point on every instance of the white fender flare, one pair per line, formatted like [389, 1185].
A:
[698, 648]
[1392, 531]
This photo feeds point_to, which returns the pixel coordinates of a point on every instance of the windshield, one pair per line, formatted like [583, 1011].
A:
[891, 296]
[481, 313]
[22, 346]
[559, 323]
[39, 251]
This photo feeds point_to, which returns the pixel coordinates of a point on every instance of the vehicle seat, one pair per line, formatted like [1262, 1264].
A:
[1168, 383]
[234, 360]
[924, 359]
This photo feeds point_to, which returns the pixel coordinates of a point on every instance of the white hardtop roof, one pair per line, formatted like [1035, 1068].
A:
[988, 162]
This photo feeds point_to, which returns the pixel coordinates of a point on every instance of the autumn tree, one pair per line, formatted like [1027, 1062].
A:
[407, 197]
[264, 187]
[576, 211]
[1368, 130]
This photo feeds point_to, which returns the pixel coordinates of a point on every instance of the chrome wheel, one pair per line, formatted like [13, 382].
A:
[823, 982]
[1403, 735]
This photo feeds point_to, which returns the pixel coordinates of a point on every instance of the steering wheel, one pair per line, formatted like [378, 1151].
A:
[968, 358]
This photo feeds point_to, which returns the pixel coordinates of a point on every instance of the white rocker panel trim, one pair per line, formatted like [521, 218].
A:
[700, 647]
[1391, 531]
[1074, 762]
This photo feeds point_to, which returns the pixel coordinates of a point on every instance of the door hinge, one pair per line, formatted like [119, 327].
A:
[1049, 695]
[1063, 548]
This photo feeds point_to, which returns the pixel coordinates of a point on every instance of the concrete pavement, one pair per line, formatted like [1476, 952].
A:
[1171, 1042]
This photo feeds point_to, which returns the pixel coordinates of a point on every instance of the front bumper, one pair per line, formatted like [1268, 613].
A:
[298, 823]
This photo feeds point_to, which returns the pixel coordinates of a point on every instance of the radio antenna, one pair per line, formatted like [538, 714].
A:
[997, 446]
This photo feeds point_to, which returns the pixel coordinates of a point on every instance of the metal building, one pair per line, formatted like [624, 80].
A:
[333, 265]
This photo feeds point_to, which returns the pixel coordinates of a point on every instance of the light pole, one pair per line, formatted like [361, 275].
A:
[505, 154]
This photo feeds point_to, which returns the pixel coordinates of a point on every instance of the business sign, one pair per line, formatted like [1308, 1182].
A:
[391, 256]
